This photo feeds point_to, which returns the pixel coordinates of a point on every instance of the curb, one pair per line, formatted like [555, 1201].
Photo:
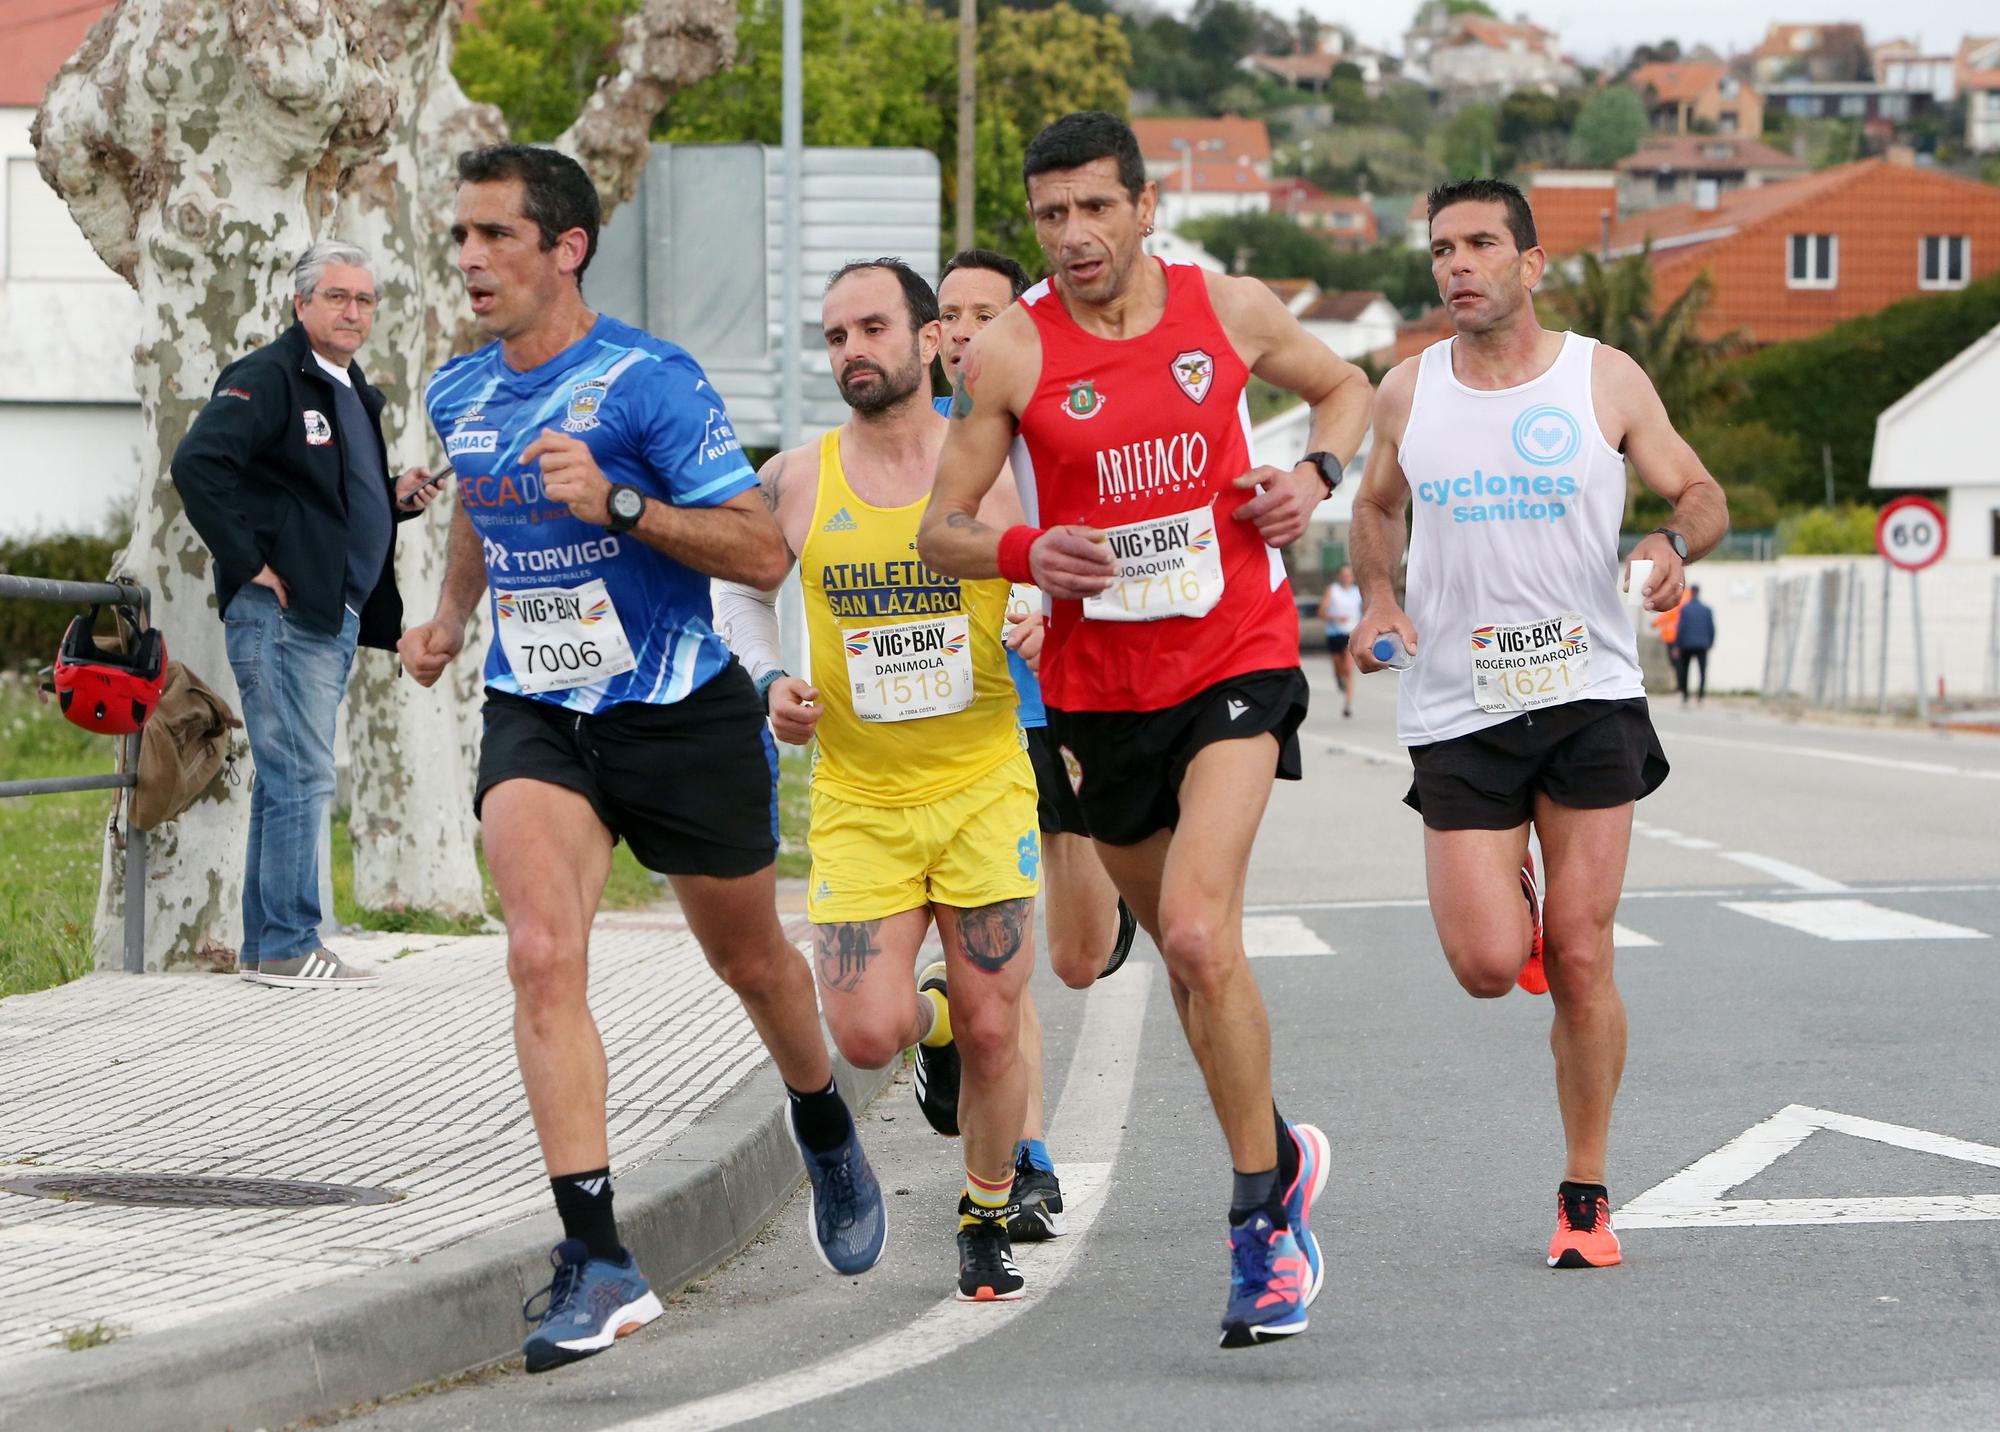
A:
[394, 1328]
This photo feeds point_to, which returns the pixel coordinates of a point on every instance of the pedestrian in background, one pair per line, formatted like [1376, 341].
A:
[1340, 609]
[1692, 641]
[285, 476]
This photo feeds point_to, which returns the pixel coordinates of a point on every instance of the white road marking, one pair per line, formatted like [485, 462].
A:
[1267, 937]
[1694, 1197]
[1655, 832]
[1825, 753]
[1371, 754]
[1678, 892]
[1695, 842]
[1624, 939]
[1796, 875]
[1090, 1118]
[1850, 920]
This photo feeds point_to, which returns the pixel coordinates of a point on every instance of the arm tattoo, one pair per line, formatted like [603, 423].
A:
[961, 399]
[963, 520]
[844, 951]
[994, 934]
[767, 481]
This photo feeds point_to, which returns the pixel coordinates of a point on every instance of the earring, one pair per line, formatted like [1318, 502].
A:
[1149, 232]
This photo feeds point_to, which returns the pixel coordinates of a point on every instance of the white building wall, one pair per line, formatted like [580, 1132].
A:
[69, 419]
[1177, 208]
[1938, 435]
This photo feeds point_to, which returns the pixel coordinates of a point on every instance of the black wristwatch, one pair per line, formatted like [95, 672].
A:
[1330, 468]
[1680, 543]
[627, 505]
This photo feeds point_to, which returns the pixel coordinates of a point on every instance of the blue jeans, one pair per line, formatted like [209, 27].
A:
[292, 680]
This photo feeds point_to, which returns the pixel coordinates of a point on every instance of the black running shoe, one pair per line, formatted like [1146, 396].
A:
[1128, 931]
[1038, 1193]
[986, 1271]
[937, 1070]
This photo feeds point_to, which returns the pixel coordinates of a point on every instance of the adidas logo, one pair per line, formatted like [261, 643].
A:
[1236, 709]
[841, 521]
[592, 1186]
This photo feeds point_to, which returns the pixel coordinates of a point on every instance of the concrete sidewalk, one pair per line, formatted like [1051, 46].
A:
[248, 1316]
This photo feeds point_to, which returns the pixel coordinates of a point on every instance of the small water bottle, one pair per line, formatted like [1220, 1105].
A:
[1388, 650]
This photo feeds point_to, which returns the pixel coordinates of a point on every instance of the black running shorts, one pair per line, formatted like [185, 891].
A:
[692, 787]
[1336, 641]
[1058, 809]
[1133, 761]
[1587, 755]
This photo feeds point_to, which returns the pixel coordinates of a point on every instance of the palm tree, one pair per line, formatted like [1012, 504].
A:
[1614, 304]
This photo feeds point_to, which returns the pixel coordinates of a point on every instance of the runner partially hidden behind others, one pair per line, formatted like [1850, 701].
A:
[1524, 704]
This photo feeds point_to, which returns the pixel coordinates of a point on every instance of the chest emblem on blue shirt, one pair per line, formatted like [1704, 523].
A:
[584, 401]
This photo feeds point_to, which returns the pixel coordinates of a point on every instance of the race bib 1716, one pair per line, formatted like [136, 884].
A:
[1167, 567]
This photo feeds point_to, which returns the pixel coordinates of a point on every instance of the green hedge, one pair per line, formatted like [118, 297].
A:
[30, 632]
[1830, 389]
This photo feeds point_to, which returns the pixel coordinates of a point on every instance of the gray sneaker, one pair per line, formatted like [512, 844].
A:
[317, 968]
[245, 970]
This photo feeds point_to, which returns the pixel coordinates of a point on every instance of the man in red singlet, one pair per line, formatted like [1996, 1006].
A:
[1171, 664]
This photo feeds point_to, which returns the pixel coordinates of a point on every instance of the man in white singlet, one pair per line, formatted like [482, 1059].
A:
[1340, 609]
[1525, 701]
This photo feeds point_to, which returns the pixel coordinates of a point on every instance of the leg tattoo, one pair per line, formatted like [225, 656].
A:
[993, 934]
[844, 951]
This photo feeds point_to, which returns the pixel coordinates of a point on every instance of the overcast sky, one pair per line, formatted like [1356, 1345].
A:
[1590, 31]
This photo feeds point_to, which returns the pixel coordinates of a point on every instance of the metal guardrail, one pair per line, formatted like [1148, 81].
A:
[108, 594]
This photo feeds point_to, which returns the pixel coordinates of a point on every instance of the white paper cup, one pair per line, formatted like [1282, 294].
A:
[1635, 584]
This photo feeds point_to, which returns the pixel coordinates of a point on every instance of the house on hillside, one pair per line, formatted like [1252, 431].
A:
[1414, 336]
[69, 415]
[1792, 258]
[1348, 221]
[1977, 75]
[1694, 97]
[1901, 65]
[1352, 324]
[1818, 53]
[1477, 55]
[1940, 434]
[1297, 294]
[1418, 233]
[1698, 168]
[1877, 106]
[1206, 166]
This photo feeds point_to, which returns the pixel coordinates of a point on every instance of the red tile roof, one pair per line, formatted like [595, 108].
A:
[36, 36]
[1978, 64]
[1570, 206]
[1879, 210]
[1670, 82]
[1298, 67]
[1416, 335]
[1229, 137]
[1288, 289]
[1218, 176]
[1707, 151]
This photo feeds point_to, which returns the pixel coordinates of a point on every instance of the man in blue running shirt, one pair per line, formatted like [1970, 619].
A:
[1090, 930]
[599, 487]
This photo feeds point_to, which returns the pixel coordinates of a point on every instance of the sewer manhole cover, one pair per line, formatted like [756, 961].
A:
[169, 1190]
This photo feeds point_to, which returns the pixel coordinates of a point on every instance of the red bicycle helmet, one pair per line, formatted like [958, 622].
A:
[109, 692]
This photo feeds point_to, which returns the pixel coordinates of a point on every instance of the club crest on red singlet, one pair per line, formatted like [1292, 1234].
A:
[1084, 401]
[1195, 372]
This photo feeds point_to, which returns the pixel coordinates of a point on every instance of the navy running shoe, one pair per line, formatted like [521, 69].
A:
[1314, 1154]
[1128, 931]
[850, 1224]
[1038, 1203]
[1267, 1276]
[592, 1302]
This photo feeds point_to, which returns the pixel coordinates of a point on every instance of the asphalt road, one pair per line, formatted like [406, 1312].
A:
[1808, 950]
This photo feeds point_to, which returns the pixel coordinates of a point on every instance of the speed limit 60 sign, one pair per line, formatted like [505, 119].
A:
[1910, 533]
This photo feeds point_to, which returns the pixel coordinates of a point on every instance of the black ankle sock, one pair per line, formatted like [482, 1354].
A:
[1288, 1153]
[1249, 1192]
[821, 1118]
[584, 1202]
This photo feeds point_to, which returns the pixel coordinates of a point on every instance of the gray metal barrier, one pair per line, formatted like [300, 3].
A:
[107, 594]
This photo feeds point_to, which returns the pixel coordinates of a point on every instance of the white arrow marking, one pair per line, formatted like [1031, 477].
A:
[1694, 1197]
[1850, 920]
[1267, 937]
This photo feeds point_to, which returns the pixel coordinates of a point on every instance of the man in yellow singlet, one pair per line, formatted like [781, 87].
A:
[923, 796]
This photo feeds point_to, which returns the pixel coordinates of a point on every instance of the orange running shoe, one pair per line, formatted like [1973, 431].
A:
[1583, 1230]
[1533, 977]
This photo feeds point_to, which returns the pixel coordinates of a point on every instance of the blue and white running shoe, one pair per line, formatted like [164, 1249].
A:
[1314, 1155]
[592, 1302]
[1267, 1278]
[850, 1224]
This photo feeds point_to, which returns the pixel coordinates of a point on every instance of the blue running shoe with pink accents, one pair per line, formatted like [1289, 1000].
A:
[1267, 1284]
[1314, 1154]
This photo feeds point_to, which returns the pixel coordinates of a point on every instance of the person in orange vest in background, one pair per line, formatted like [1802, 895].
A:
[1668, 625]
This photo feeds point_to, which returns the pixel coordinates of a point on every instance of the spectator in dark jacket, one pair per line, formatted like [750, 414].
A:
[1696, 636]
[285, 476]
